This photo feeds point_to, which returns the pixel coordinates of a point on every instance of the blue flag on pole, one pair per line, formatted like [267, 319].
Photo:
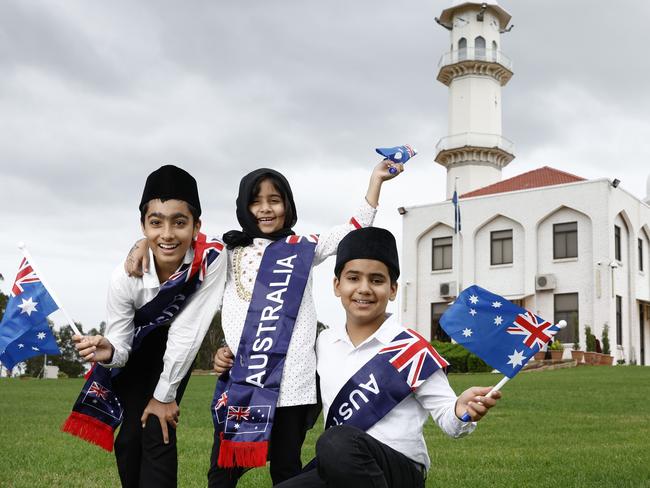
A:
[24, 331]
[454, 200]
[499, 332]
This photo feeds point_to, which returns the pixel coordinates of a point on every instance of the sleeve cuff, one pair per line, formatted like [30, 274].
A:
[120, 357]
[459, 427]
[165, 392]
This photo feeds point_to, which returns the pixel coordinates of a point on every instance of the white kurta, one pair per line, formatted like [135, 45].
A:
[298, 386]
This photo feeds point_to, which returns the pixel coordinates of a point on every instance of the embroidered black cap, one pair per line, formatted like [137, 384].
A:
[171, 182]
[369, 243]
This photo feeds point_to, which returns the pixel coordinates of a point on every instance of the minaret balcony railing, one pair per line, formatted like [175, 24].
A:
[475, 139]
[475, 54]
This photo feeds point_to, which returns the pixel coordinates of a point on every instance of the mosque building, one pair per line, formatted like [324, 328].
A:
[553, 242]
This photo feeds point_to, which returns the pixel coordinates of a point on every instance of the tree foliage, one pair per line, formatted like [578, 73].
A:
[212, 341]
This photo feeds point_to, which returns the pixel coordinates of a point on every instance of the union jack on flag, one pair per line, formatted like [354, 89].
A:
[223, 399]
[25, 275]
[99, 391]
[296, 239]
[501, 333]
[238, 413]
[536, 330]
[414, 352]
[204, 254]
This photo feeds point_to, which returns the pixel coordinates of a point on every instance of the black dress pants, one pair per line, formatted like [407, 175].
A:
[347, 457]
[143, 459]
[287, 435]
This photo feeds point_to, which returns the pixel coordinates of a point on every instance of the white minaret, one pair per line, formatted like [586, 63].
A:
[474, 69]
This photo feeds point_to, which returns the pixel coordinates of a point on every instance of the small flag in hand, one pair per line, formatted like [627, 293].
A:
[499, 332]
[24, 331]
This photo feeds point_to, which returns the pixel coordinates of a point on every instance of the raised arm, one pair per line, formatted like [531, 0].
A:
[363, 217]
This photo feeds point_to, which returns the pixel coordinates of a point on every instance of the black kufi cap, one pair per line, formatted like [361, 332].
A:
[171, 182]
[369, 243]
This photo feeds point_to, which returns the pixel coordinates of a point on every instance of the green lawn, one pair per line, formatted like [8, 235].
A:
[587, 426]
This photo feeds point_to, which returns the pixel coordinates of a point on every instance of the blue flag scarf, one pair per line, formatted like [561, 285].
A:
[245, 398]
[97, 412]
[388, 378]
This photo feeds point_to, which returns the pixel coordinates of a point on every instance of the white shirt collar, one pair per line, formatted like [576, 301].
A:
[385, 334]
[150, 278]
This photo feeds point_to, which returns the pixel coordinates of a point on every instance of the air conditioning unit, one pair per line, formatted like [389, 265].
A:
[448, 289]
[544, 282]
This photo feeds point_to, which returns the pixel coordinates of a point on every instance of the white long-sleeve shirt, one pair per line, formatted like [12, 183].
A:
[401, 428]
[298, 385]
[126, 294]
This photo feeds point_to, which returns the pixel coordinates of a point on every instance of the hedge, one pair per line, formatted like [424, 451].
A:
[460, 359]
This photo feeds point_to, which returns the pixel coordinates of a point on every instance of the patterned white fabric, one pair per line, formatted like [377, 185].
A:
[298, 385]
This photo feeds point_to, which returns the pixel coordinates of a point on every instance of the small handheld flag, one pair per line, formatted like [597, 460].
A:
[398, 154]
[454, 200]
[501, 333]
[24, 330]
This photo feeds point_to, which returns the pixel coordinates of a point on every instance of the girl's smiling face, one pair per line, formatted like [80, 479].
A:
[267, 207]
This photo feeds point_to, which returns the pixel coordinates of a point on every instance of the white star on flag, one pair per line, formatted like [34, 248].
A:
[236, 426]
[28, 306]
[20, 346]
[467, 332]
[473, 299]
[517, 358]
[496, 304]
[498, 320]
[41, 335]
[34, 348]
[472, 312]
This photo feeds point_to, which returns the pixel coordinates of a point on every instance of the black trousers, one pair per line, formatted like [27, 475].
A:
[143, 459]
[347, 457]
[287, 435]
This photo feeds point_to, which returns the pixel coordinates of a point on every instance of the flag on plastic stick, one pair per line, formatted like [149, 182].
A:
[501, 333]
[24, 330]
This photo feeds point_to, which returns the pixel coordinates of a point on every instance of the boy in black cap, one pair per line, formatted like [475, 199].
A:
[379, 381]
[155, 326]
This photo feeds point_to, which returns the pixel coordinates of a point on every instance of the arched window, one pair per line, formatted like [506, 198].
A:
[479, 47]
[495, 48]
[462, 48]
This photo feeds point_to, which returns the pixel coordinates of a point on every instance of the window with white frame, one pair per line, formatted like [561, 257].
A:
[501, 247]
[441, 253]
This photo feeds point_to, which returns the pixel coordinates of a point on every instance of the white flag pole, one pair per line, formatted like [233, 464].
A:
[466, 418]
[30, 259]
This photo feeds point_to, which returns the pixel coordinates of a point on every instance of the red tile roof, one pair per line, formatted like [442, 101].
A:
[544, 176]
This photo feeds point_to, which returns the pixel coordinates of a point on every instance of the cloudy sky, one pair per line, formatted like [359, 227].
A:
[96, 95]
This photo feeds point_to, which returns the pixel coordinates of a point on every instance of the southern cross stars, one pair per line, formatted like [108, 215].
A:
[496, 304]
[517, 358]
[473, 299]
[472, 312]
[41, 335]
[467, 332]
[28, 306]
[498, 320]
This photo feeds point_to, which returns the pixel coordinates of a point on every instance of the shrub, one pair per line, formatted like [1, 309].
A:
[556, 345]
[606, 349]
[590, 340]
[460, 359]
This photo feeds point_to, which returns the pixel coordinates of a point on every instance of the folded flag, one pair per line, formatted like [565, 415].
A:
[398, 154]
[24, 330]
[501, 333]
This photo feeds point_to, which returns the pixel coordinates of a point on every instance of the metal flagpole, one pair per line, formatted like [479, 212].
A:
[30, 259]
[457, 236]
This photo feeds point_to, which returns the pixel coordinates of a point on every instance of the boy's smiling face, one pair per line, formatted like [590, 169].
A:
[268, 208]
[169, 229]
[365, 289]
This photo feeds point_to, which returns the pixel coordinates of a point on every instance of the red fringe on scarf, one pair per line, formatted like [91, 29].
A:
[242, 454]
[89, 429]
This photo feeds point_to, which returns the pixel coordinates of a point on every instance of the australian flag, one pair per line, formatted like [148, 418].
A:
[499, 332]
[24, 331]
